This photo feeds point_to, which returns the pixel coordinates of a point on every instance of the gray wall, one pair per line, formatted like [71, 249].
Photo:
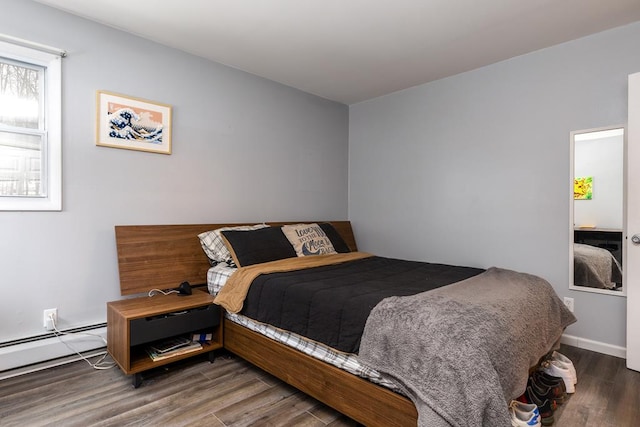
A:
[244, 149]
[474, 169]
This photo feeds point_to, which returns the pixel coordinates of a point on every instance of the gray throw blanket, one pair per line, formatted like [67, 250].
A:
[595, 267]
[462, 352]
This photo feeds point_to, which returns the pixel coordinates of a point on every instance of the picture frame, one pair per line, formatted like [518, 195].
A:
[583, 188]
[132, 123]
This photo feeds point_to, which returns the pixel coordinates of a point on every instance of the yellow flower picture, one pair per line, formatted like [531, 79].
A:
[583, 188]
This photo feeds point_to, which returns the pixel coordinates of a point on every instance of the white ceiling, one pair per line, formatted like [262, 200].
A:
[353, 50]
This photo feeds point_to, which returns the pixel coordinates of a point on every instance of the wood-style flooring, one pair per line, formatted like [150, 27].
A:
[230, 392]
[607, 393]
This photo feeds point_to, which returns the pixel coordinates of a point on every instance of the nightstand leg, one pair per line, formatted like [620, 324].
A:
[212, 356]
[136, 380]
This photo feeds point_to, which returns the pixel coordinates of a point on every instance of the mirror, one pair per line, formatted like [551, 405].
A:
[597, 206]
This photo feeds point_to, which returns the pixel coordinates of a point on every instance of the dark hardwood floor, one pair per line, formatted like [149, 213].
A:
[230, 392]
[607, 393]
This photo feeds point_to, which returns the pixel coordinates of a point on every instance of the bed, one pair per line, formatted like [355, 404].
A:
[159, 256]
[595, 267]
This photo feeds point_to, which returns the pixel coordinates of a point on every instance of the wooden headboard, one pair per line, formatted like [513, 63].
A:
[163, 256]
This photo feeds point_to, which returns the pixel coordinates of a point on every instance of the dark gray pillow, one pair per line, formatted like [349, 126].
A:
[257, 246]
[336, 240]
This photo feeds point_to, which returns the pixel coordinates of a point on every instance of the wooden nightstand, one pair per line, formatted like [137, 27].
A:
[133, 324]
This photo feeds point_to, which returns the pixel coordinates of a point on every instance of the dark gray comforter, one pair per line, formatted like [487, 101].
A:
[330, 304]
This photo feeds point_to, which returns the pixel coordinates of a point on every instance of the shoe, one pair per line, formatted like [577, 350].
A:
[544, 387]
[564, 360]
[544, 392]
[557, 369]
[525, 407]
[549, 379]
[545, 407]
[524, 414]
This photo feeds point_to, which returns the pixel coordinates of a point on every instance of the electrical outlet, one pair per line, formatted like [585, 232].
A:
[47, 315]
[569, 303]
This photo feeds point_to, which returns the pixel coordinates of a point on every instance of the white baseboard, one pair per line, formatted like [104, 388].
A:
[598, 347]
[49, 349]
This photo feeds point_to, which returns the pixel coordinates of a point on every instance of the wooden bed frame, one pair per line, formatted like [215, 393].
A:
[163, 256]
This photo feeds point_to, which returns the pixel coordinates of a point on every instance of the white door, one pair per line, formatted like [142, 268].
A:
[632, 250]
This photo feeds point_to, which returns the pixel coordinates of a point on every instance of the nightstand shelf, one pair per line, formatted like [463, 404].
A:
[133, 324]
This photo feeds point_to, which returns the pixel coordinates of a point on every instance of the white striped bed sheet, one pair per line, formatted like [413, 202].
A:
[217, 277]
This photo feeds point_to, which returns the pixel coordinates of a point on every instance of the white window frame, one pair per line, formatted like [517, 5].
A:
[52, 200]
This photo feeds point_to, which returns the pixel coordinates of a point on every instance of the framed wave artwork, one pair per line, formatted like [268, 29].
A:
[133, 123]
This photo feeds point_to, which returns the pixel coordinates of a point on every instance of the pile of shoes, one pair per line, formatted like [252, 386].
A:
[547, 387]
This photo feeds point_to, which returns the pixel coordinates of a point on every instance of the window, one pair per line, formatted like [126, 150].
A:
[30, 129]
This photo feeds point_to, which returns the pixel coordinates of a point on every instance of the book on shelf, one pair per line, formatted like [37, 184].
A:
[170, 344]
[155, 356]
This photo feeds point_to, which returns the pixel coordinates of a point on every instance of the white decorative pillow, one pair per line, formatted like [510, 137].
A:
[214, 246]
[308, 239]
